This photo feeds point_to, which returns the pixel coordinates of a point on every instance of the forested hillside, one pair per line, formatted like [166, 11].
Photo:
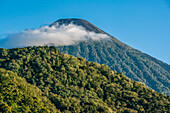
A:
[71, 84]
[122, 58]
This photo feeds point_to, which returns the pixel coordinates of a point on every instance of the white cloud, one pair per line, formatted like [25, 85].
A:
[55, 35]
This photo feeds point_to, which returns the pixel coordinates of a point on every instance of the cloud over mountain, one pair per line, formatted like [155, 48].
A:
[54, 35]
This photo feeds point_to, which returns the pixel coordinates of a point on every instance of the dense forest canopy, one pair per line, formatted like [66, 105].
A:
[16, 95]
[64, 83]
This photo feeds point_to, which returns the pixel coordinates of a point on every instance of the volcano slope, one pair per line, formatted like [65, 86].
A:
[118, 56]
[71, 84]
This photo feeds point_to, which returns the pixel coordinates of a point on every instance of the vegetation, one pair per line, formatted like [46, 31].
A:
[71, 84]
[122, 58]
[16, 95]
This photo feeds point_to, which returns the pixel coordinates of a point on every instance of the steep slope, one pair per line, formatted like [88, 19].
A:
[76, 85]
[120, 57]
[16, 95]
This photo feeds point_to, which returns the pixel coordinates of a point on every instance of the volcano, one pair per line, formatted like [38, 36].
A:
[118, 56]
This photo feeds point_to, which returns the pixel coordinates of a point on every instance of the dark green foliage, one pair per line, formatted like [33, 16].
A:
[16, 95]
[76, 85]
[122, 58]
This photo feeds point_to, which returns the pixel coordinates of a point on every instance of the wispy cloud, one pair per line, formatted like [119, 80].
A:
[57, 35]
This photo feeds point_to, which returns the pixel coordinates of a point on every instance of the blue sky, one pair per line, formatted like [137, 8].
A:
[142, 24]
